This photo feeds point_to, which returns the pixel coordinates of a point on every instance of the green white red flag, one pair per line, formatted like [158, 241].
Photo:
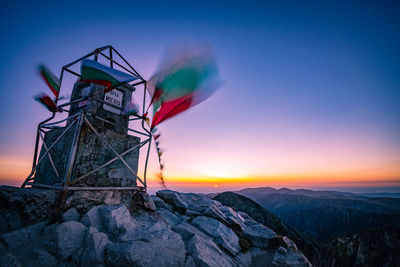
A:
[46, 101]
[52, 81]
[94, 72]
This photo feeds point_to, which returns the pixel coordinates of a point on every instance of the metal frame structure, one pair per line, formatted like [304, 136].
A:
[80, 118]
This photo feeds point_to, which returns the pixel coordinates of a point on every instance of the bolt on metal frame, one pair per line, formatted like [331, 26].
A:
[80, 118]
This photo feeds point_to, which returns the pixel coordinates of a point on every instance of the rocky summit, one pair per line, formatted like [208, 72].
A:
[134, 229]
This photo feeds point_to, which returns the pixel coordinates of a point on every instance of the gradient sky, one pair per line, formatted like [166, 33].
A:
[311, 93]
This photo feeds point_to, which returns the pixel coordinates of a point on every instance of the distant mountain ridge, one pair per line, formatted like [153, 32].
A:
[326, 214]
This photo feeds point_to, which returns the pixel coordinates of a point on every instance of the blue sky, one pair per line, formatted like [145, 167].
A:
[309, 86]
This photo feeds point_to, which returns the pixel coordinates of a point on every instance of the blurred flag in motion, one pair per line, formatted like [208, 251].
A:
[46, 101]
[52, 81]
[185, 78]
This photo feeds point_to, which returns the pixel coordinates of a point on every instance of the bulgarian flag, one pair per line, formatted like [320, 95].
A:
[46, 101]
[52, 81]
[94, 72]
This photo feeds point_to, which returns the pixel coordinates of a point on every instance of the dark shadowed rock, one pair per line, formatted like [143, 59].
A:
[189, 262]
[9, 260]
[70, 237]
[43, 258]
[25, 206]
[70, 215]
[22, 236]
[376, 247]
[173, 198]
[206, 253]
[221, 234]
[94, 246]
[142, 199]
[163, 248]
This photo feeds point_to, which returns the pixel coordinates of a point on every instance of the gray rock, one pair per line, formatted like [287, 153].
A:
[173, 198]
[3, 249]
[9, 260]
[70, 236]
[94, 246]
[296, 259]
[261, 257]
[116, 219]
[206, 253]
[93, 218]
[22, 236]
[3, 225]
[189, 262]
[70, 215]
[158, 202]
[143, 199]
[169, 217]
[279, 257]
[163, 248]
[258, 234]
[169, 207]
[244, 259]
[187, 231]
[221, 234]
[50, 239]
[44, 258]
[233, 219]
[192, 213]
[143, 223]
[13, 220]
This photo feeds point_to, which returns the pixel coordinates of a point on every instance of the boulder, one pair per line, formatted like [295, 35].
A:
[94, 246]
[70, 237]
[296, 259]
[258, 234]
[232, 218]
[22, 236]
[279, 257]
[93, 218]
[11, 221]
[189, 262]
[221, 234]
[43, 258]
[244, 258]
[192, 213]
[4, 228]
[70, 215]
[175, 199]
[142, 199]
[206, 253]
[9, 260]
[116, 219]
[187, 231]
[169, 217]
[158, 202]
[162, 248]
[261, 257]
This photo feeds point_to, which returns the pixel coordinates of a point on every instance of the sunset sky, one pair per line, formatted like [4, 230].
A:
[310, 95]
